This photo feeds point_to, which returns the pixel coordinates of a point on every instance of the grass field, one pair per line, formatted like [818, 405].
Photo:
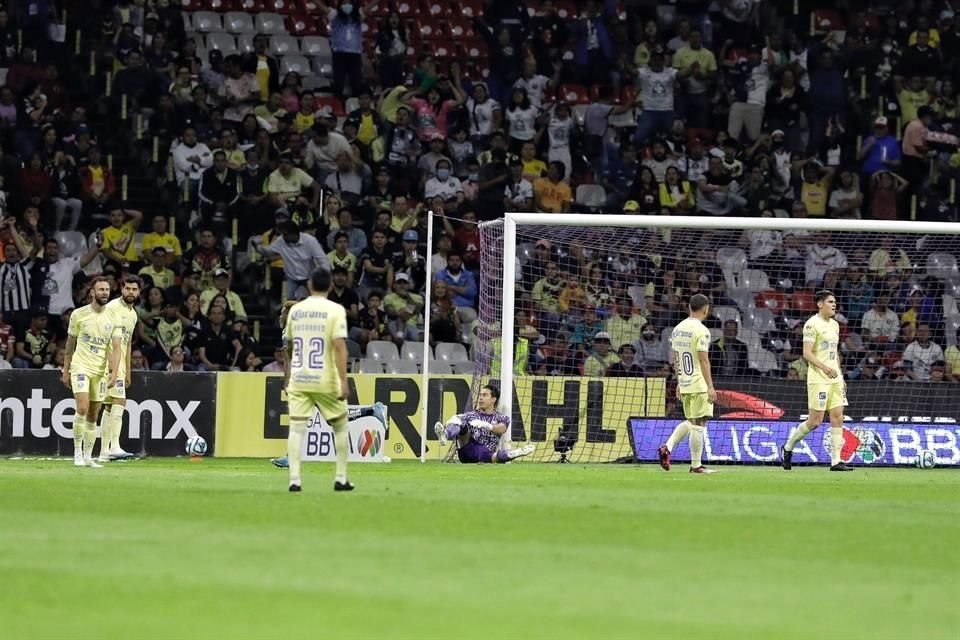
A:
[218, 549]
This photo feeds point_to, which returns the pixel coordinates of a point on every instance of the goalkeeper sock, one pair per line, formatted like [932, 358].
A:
[298, 427]
[836, 445]
[79, 426]
[799, 434]
[678, 435]
[452, 430]
[115, 421]
[696, 446]
[341, 438]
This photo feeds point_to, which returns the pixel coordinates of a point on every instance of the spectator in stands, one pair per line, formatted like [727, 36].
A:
[15, 286]
[97, 185]
[627, 366]
[341, 256]
[279, 360]
[445, 325]
[346, 42]
[518, 192]
[822, 257]
[52, 280]
[886, 188]
[751, 82]
[342, 293]
[190, 159]
[356, 238]
[827, 98]
[600, 358]
[405, 310]
[922, 354]
[696, 69]
[881, 323]
[217, 351]
[119, 241]
[157, 270]
[372, 323]
[377, 264]
[35, 346]
[881, 151]
[676, 194]
[345, 181]
[731, 353]
[159, 236]
[914, 159]
[301, 254]
[206, 258]
[551, 193]
[625, 324]
[221, 287]
[846, 199]
[785, 103]
[857, 293]
[409, 261]
[716, 190]
[463, 286]
[443, 184]
[286, 184]
[657, 85]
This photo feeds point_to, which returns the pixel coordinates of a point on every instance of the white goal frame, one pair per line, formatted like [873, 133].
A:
[512, 221]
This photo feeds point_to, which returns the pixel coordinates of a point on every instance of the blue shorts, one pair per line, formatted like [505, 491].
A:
[474, 452]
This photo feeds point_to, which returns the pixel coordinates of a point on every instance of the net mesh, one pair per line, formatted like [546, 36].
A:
[580, 401]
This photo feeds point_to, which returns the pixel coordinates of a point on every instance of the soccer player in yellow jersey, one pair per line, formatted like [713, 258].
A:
[316, 374]
[85, 368]
[689, 347]
[826, 390]
[124, 320]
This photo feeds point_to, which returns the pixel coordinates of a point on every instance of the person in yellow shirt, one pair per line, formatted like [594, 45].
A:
[119, 242]
[911, 98]
[952, 357]
[552, 194]
[157, 269]
[815, 188]
[572, 296]
[306, 117]
[341, 257]
[221, 287]
[533, 167]
[601, 358]
[159, 237]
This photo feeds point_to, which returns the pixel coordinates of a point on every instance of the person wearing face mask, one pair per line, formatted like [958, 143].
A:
[443, 184]
[346, 42]
[470, 185]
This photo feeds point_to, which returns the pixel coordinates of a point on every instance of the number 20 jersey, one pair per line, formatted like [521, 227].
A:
[688, 340]
[312, 327]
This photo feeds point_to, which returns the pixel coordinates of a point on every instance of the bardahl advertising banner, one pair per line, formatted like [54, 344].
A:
[163, 410]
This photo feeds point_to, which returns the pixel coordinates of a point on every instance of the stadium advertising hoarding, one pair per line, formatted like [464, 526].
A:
[163, 410]
[879, 430]
[367, 440]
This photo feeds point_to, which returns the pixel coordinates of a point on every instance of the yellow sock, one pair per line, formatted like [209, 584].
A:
[341, 438]
[836, 445]
[799, 434]
[116, 425]
[679, 433]
[89, 438]
[298, 426]
[696, 446]
[79, 427]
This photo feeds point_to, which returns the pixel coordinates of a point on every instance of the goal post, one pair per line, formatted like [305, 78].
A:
[765, 306]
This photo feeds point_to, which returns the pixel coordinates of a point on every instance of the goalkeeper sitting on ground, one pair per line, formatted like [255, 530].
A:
[478, 432]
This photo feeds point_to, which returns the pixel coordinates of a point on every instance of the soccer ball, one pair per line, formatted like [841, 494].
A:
[196, 446]
[926, 459]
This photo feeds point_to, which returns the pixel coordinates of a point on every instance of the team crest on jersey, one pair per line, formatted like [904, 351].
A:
[81, 377]
[822, 395]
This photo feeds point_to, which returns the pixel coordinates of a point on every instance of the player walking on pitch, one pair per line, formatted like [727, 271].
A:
[478, 432]
[124, 319]
[85, 369]
[316, 374]
[689, 347]
[826, 390]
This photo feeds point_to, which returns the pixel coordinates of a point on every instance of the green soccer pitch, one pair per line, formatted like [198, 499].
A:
[169, 548]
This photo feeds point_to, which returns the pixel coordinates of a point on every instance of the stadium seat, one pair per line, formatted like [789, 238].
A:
[296, 63]
[732, 261]
[803, 302]
[238, 22]
[461, 28]
[207, 22]
[221, 6]
[72, 243]
[333, 102]
[403, 367]
[245, 42]
[223, 42]
[942, 265]
[574, 94]
[268, 22]
[187, 22]
[438, 368]
[413, 351]
[282, 6]
[463, 368]
[775, 301]
[451, 352]
[580, 114]
[727, 313]
[951, 327]
[471, 8]
[825, 20]
[749, 337]
[382, 350]
[303, 25]
[252, 7]
[353, 349]
[440, 9]
[476, 49]
[428, 28]
[282, 44]
[760, 320]
[444, 49]
[316, 46]
[368, 365]
[591, 195]
[408, 8]
[525, 251]
[950, 305]
[762, 360]
[754, 280]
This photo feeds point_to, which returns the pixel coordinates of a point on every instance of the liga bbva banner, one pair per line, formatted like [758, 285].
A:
[367, 440]
[163, 410]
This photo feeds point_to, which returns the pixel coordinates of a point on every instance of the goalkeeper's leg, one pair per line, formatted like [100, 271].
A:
[786, 451]
[453, 429]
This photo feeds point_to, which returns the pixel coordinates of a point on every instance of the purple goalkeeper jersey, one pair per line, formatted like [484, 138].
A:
[477, 420]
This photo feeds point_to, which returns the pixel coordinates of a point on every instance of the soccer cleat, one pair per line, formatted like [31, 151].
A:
[664, 455]
[841, 467]
[380, 413]
[441, 433]
[78, 459]
[119, 454]
[103, 459]
[343, 486]
[281, 463]
[786, 459]
[295, 488]
[90, 462]
[525, 450]
[701, 469]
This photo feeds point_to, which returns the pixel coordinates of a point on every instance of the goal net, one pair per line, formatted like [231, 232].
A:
[575, 315]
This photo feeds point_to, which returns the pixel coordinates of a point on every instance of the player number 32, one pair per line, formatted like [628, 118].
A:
[315, 349]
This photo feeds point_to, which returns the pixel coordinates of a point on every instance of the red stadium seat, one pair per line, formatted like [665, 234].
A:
[471, 8]
[773, 301]
[191, 5]
[476, 50]
[409, 8]
[574, 94]
[825, 20]
[445, 49]
[803, 301]
[252, 6]
[222, 6]
[379, 9]
[461, 28]
[322, 100]
[439, 9]
[302, 25]
[283, 6]
[567, 10]
[429, 28]
[628, 95]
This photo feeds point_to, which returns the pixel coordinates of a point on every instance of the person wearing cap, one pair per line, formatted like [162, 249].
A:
[881, 151]
[302, 254]
[409, 261]
[286, 183]
[600, 358]
[752, 79]
[221, 287]
[657, 85]
[437, 151]
[405, 309]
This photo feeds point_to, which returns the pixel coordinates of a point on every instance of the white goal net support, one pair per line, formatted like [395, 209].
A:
[575, 314]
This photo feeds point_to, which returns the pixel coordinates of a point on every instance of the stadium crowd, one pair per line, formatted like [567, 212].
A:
[284, 135]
